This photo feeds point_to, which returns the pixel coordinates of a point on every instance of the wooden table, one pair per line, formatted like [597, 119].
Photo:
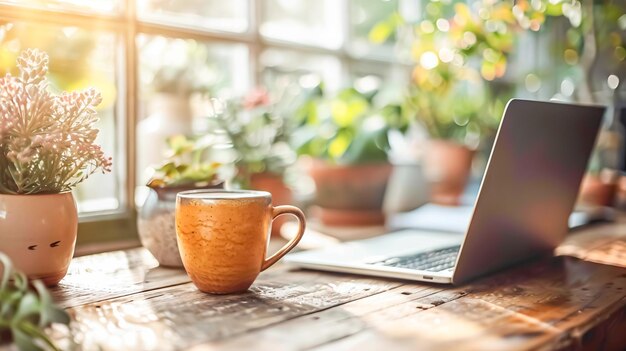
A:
[123, 300]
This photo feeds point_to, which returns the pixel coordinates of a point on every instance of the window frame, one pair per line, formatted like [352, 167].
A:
[101, 231]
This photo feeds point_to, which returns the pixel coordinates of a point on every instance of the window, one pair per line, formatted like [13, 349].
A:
[80, 57]
[148, 56]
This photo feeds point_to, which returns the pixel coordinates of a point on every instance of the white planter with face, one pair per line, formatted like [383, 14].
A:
[38, 233]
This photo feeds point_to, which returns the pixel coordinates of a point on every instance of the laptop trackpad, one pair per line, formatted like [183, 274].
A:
[398, 243]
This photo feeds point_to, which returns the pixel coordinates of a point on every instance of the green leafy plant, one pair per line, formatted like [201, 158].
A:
[347, 128]
[258, 128]
[25, 311]
[186, 164]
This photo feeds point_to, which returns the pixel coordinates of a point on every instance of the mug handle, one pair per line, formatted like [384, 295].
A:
[282, 210]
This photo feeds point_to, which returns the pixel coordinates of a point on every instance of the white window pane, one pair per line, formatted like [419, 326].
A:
[306, 22]
[176, 76]
[368, 15]
[280, 63]
[78, 59]
[230, 16]
[97, 6]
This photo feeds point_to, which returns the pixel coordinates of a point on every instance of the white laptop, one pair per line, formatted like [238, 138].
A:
[527, 194]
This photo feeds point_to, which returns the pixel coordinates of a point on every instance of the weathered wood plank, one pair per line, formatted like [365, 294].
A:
[463, 324]
[113, 274]
[604, 244]
[568, 294]
[548, 305]
[181, 316]
[344, 320]
[550, 288]
[512, 297]
[444, 328]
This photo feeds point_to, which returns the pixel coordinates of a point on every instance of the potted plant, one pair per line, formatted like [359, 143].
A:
[47, 147]
[258, 128]
[346, 137]
[448, 94]
[600, 185]
[27, 308]
[187, 167]
[455, 121]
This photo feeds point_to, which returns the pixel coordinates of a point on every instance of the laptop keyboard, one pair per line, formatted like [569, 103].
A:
[432, 261]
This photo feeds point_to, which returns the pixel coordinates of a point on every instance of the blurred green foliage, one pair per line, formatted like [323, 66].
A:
[461, 53]
[25, 311]
[259, 128]
[190, 67]
[347, 128]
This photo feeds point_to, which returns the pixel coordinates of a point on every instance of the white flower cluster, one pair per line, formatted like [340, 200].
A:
[46, 141]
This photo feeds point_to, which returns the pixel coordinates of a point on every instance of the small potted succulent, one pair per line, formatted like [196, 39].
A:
[186, 168]
[258, 128]
[27, 308]
[346, 136]
[47, 147]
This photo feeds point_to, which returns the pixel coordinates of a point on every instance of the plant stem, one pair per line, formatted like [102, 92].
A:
[32, 330]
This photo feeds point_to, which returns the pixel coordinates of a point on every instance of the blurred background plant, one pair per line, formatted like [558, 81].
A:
[259, 128]
[191, 70]
[346, 137]
[26, 310]
[349, 127]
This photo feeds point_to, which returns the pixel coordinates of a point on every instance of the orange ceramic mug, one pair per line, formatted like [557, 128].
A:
[223, 235]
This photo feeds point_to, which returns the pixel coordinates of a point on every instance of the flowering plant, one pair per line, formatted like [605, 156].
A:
[46, 141]
[258, 127]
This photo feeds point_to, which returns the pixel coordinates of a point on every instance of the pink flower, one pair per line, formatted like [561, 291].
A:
[48, 140]
[256, 98]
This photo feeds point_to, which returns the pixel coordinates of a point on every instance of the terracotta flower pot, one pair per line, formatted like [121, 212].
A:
[597, 190]
[350, 195]
[38, 233]
[156, 223]
[281, 194]
[447, 166]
